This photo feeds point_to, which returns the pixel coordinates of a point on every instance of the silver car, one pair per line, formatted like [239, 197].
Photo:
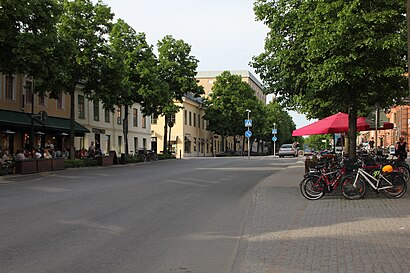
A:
[287, 150]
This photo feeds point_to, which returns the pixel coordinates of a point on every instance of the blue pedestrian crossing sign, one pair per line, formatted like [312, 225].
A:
[274, 131]
[248, 123]
[274, 138]
[248, 134]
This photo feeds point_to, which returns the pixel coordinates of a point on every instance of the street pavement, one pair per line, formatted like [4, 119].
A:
[287, 233]
[284, 232]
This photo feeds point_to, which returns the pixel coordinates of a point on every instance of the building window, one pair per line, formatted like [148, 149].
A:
[190, 118]
[10, 88]
[42, 100]
[81, 106]
[107, 114]
[199, 121]
[185, 117]
[60, 101]
[119, 115]
[173, 120]
[29, 92]
[194, 119]
[108, 143]
[96, 110]
[194, 144]
[136, 148]
[154, 119]
[144, 143]
[120, 144]
[135, 117]
[187, 146]
[144, 121]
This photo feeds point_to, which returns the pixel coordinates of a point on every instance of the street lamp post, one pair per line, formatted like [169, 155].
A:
[249, 141]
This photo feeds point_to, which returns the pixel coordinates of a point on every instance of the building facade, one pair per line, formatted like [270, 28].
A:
[107, 126]
[400, 117]
[22, 113]
[189, 136]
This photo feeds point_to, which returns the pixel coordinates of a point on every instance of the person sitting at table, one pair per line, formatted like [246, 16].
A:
[20, 155]
[36, 154]
[47, 154]
[6, 155]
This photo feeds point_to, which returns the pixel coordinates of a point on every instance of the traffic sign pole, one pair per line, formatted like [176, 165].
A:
[249, 148]
[274, 131]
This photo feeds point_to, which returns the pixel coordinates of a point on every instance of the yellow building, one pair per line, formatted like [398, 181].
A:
[93, 122]
[207, 78]
[189, 136]
[51, 119]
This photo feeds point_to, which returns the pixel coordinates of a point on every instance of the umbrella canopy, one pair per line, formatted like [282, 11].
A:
[337, 123]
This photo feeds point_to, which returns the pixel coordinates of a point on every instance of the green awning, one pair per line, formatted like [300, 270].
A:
[15, 119]
[22, 119]
[63, 124]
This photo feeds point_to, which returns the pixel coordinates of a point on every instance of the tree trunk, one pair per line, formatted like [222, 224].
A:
[234, 143]
[72, 122]
[125, 128]
[164, 146]
[352, 126]
[408, 42]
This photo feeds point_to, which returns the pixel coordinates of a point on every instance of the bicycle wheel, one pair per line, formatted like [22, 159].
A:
[312, 187]
[351, 191]
[399, 186]
[405, 170]
[142, 158]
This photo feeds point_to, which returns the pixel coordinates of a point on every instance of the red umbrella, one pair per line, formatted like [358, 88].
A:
[337, 123]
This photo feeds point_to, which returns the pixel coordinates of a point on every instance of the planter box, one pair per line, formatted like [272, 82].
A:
[105, 160]
[26, 166]
[57, 164]
[43, 165]
[310, 163]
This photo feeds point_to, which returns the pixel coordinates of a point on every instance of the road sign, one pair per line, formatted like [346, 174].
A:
[248, 123]
[274, 138]
[248, 134]
[274, 131]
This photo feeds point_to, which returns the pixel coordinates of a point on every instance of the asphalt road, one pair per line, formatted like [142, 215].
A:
[168, 216]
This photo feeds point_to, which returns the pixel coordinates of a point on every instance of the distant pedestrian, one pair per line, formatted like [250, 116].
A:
[401, 148]
[371, 143]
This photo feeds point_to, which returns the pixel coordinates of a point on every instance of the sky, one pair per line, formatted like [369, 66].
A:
[223, 34]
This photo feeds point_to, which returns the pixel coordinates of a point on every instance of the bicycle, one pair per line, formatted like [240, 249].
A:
[324, 178]
[382, 179]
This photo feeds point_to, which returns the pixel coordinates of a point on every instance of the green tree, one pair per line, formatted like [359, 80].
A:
[227, 105]
[177, 71]
[79, 53]
[132, 74]
[316, 141]
[336, 55]
[28, 31]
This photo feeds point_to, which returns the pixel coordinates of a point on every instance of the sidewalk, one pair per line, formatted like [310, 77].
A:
[287, 233]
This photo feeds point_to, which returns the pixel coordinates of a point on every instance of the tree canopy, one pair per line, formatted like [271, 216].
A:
[176, 72]
[28, 29]
[328, 56]
[227, 105]
[78, 55]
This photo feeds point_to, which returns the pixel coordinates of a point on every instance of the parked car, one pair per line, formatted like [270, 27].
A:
[288, 150]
